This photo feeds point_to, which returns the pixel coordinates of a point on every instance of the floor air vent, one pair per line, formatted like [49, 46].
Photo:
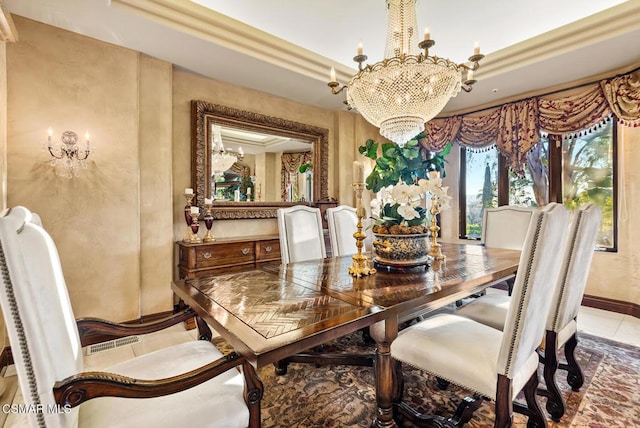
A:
[111, 344]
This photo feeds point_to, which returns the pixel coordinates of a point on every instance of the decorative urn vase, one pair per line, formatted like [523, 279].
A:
[398, 251]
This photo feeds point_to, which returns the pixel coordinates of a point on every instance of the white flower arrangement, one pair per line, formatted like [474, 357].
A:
[404, 208]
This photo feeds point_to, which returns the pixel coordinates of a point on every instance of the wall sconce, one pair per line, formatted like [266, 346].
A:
[68, 157]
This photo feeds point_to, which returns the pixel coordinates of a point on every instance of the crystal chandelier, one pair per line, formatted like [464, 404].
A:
[407, 88]
[221, 159]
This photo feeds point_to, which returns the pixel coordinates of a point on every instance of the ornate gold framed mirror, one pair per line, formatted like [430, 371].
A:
[267, 148]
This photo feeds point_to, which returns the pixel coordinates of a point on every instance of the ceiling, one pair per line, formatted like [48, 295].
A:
[286, 47]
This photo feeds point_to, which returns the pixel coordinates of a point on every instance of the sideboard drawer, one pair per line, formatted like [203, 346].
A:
[268, 250]
[196, 260]
[232, 253]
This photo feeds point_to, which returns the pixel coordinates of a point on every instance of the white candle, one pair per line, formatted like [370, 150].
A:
[248, 191]
[360, 49]
[476, 49]
[236, 195]
[188, 191]
[50, 131]
[241, 153]
[195, 210]
[427, 33]
[333, 75]
[358, 172]
[86, 137]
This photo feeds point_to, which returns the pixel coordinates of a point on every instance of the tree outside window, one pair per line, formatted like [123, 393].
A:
[481, 188]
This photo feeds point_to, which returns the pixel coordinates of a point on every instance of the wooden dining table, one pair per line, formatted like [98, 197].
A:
[276, 311]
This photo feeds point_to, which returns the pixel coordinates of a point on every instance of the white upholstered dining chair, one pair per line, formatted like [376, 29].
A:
[561, 327]
[342, 224]
[489, 362]
[505, 227]
[190, 382]
[301, 234]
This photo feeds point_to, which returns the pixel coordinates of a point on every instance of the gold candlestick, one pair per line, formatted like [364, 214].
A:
[208, 222]
[360, 265]
[435, 250]
[187, 217]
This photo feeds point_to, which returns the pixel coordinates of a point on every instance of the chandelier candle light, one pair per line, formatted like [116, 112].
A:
[407, 88]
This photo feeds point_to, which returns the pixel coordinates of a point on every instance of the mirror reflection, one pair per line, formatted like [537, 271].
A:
[257, 167]
[253, 164]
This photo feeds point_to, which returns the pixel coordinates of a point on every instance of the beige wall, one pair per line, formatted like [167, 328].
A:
[65, 81]
[115, 225]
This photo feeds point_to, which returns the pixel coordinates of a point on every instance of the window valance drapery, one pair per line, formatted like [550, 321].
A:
[515, 127]
[291, 163]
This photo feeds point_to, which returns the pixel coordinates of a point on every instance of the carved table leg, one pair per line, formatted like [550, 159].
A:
[384, 370]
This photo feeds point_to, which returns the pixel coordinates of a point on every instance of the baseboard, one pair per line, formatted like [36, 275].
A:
[612, 305]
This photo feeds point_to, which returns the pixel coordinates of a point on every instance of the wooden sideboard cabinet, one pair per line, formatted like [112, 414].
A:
[226, 255]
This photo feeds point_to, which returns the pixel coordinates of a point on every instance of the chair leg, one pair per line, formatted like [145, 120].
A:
[535, 414]
[510, 282]
[398, 381]
[204, 332]
[442, 384]
[574, 375]
[253, 391]
[504, 405]
[555, 403]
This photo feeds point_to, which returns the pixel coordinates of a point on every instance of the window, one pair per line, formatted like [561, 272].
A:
[480, 189]
[570, 169]
[588, 176]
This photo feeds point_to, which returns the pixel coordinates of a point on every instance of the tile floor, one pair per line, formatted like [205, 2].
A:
[614, 326]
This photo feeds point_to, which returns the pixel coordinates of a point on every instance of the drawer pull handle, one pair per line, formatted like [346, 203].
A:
[206, 255]
[245, 251]
[268, 248]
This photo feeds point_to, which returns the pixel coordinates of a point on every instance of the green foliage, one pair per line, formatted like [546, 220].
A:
[400, 164]
[305, 166]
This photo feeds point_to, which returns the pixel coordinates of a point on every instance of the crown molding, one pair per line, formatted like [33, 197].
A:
[8, 32]
[207, 24]
[604, 25]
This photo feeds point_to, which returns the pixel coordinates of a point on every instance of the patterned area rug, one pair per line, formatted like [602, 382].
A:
[342, 396]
